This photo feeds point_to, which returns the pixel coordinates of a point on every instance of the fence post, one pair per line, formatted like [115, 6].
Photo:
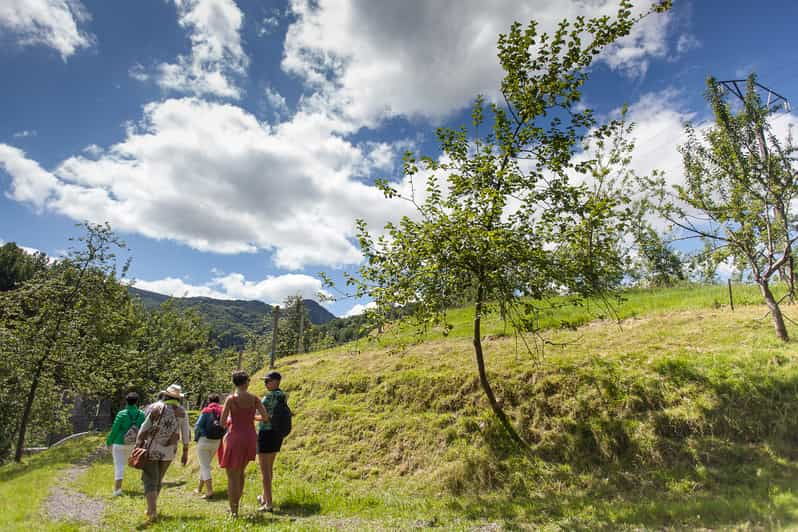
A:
[275, 317]
[731, 299]
[301, 309]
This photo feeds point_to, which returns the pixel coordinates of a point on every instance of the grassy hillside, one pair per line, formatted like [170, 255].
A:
[682, 417]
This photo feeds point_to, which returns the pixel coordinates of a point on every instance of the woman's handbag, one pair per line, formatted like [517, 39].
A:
[139, 456]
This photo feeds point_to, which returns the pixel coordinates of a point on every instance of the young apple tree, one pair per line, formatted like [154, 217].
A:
[501, 218]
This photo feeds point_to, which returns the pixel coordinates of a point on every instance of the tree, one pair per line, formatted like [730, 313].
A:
[293, 316]
[17, 266]
[501, 217]
[740, 185]
[658, 265]
[55, 325]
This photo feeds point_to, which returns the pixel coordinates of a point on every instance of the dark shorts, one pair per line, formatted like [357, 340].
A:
[269, 441]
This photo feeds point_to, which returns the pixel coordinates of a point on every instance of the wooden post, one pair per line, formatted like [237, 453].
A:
[275, 317]
[301, 309]
[731, 299]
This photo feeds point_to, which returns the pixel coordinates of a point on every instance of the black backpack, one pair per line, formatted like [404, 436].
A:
[281, 417]
[213, 427]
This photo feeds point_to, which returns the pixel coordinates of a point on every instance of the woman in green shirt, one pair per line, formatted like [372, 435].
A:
[122, 437]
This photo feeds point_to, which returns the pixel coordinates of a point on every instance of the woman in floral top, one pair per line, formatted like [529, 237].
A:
[165, 425]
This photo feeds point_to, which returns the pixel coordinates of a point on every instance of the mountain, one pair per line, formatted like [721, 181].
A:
[231, 321]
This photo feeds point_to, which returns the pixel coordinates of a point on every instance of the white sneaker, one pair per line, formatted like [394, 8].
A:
[116, 493]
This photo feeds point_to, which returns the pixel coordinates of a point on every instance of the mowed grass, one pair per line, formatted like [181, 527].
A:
[680, 417]
[25, 486]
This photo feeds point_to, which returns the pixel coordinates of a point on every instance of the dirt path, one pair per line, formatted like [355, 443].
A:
[66, 504]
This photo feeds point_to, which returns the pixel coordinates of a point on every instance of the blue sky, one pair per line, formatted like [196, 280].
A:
[233, 143]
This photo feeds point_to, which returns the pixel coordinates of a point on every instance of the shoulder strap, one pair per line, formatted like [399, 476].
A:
[157, 427]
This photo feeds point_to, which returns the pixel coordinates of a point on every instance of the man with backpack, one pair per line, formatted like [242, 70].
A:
[271, 434]
[123, 436]
[208, 433]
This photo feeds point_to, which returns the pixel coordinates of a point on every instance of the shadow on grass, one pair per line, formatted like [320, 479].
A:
[171, 522]
[298, 509]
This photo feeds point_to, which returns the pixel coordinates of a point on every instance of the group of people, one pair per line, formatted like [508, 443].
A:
[225, 430]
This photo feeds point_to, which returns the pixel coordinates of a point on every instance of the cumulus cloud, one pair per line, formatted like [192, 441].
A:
[659, 119]
[212, 176]
[276, 102]
[272, 290]
[632, 54]
[217, 58]
[54, 23]
[30, 183]
[385, 58]
[359, 309]
[25, 133]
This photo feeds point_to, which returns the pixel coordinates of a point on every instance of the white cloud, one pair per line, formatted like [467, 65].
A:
[53, 23]
[386, 58]
[268, 25]
[30, 183]
[687, 42]
[25, 133]
[272, 290]
[138, 72]
[726, 269]
[93, 150]
[359, 309]
[632, 54]
[659, 130]
[217, 57]
[276, 101]
[212, 176]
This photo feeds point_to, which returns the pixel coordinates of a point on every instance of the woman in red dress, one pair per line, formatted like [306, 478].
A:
[240, 442]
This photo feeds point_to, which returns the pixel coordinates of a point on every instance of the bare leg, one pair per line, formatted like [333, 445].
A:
[117, 484]
[240, 485]
[233, 495]
[201, 485]
[266, 461]
[208, 489]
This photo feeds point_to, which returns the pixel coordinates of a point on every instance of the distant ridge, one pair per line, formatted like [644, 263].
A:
[231, 320]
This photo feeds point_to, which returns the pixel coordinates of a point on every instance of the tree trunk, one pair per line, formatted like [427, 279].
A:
[775, 311]
[483, 376]
[23, 422]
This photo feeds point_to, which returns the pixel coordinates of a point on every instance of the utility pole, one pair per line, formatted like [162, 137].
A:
[275, 317]
[300, 307]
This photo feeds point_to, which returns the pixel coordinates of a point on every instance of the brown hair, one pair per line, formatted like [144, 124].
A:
[240, 377]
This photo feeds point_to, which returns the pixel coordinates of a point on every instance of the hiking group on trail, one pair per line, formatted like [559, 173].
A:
[148, 440]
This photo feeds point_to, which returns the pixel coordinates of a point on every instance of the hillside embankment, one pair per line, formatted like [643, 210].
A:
[673, 419]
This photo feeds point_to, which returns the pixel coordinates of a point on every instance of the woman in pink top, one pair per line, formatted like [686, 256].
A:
[240, 442]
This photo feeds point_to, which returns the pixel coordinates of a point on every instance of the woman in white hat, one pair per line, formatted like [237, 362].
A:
[165, 425]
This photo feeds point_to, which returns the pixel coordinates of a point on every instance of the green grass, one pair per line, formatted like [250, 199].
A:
[25, 486]
[681, 417]
[560, 312]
